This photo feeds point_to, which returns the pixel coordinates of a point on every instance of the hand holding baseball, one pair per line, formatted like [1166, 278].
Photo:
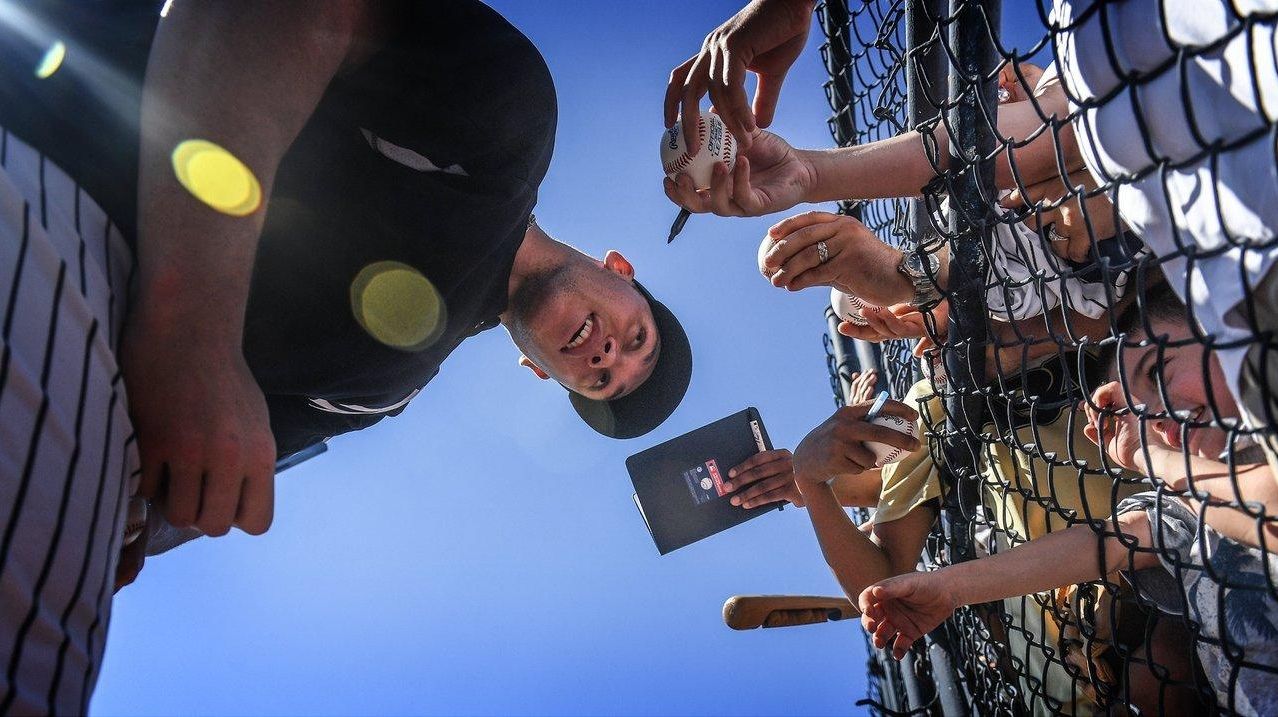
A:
[845, 443]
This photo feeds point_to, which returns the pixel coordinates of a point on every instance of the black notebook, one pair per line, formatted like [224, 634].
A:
[678, 484]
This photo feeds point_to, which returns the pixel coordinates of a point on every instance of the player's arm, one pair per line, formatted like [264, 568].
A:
[245, 75]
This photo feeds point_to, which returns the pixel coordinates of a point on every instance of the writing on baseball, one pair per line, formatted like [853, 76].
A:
[716, 145]
[883, 453]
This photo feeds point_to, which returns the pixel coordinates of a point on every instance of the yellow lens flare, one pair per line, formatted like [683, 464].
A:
[398, 306]
[51, 60]
[216, 177]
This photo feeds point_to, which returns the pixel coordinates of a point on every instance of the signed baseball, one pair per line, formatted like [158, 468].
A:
[885, 454]
[717, 145]
[850, 308]
[933, 368]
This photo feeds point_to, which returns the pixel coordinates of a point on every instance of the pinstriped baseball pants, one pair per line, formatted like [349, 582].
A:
[67, 453]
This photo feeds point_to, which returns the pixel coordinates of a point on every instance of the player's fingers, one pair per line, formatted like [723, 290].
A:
[149, 481]
[182, 486]
[766, 95]
[791, 224]
[674, 88]
[256, 508]
[218, 500]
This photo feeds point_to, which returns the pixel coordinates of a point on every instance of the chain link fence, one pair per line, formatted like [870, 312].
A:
[1101, 212]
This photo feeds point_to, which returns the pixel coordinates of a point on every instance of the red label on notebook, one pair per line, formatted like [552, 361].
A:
[718, 479]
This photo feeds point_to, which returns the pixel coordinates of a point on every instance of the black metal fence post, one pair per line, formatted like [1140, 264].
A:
[973, 98]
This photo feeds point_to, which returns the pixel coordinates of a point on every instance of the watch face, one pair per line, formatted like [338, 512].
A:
[916, 266]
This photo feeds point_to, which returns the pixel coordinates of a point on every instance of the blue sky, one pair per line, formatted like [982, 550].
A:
[480, 554]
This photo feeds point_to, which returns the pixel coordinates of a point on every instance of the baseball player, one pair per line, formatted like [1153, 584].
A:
[229, 231]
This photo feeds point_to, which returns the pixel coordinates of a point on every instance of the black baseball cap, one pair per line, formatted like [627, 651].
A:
[646, 407]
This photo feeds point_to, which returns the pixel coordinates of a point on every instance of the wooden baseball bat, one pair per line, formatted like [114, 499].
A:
[746, 612]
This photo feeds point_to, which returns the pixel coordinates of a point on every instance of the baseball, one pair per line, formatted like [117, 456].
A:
[933, 369]
[135, 521]
[883, 453]
[850, 308]
[717, 145]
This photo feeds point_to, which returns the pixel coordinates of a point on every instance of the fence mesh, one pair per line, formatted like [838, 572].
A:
[1101, 206]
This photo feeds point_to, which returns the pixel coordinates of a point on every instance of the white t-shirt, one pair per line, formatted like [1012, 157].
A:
[1169, 111]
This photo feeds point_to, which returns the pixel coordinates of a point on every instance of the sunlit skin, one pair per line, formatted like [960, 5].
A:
[1177, 374]
[582, 322]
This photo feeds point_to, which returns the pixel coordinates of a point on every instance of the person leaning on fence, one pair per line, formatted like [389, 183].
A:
[318, 223]
[1196, 546]
[1175, 105]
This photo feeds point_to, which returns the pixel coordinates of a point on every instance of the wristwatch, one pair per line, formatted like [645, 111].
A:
[923, 270]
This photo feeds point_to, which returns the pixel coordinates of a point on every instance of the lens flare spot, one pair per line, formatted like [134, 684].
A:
[216, 177]
[397, 305]
[51, 60]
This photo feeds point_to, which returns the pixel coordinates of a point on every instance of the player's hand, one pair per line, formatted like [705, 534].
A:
[837, 446]
[765, 38]
[204, 435]
[763, 478]
[770, 176]
[858, 263]
[902, 609]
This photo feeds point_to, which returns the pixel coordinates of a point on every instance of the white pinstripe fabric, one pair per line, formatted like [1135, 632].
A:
[67, 452]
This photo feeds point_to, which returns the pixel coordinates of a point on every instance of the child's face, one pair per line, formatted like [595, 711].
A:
[1178, 374]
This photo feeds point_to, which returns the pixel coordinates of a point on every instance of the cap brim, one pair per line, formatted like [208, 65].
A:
[649, 405]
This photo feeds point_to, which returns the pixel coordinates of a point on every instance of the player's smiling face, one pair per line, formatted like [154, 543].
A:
[589, 328]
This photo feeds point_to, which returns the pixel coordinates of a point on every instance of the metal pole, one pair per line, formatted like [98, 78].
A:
[927, 70]
[973, 95]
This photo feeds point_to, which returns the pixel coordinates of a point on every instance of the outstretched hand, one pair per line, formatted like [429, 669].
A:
[900, 610]
[765, 38]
